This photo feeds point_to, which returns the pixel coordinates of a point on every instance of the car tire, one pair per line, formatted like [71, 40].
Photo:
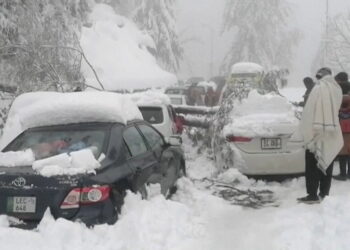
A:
[142, 190]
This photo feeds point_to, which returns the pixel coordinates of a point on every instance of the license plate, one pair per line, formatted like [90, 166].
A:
[271, 143]
[21, 204]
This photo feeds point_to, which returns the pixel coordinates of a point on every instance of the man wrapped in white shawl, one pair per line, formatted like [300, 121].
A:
[320, 123]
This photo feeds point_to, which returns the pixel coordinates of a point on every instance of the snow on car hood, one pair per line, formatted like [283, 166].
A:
[261, 115]
[77, 162]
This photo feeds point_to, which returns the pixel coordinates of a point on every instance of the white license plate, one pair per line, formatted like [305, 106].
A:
[21, 204]
[271, 143]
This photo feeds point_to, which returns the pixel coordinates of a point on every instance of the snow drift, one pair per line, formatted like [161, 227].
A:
[117, 49]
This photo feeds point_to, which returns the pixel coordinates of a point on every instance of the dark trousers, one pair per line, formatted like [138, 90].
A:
[344, 164]
[315, 178]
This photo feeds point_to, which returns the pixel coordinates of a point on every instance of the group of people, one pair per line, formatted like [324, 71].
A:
[322, 133]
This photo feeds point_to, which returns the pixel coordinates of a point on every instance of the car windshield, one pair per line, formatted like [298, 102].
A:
[153, 115]
[49, 142]
[176, 100]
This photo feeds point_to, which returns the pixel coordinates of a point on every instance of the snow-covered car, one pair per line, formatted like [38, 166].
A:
[78, 154]
[254, 134]
[161, 116]
[156, 109]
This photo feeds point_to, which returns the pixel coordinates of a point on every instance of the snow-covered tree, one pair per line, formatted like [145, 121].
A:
[157, 18]
[334, 51]
[262, 32]
[39, 46]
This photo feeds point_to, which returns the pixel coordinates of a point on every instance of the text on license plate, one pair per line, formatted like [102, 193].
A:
[271, 143]
[21, 204]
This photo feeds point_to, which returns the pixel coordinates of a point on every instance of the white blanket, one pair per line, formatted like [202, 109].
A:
[320, 123]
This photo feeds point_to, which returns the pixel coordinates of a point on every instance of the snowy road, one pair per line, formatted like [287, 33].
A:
[196, 219]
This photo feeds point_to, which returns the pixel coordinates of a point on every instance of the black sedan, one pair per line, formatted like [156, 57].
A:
[131, 156]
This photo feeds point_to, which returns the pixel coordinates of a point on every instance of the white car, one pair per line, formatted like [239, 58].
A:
[255, 136]
[161, 116]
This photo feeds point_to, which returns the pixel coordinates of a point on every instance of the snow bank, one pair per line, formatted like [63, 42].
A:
[78, 162]
[52, 108]
[150, 98]
[117, 49]
[19, 158]
[261, 115]
[155, 224]
[246, 67]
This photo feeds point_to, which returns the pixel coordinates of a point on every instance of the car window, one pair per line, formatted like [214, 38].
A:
[153, 138]
[134, 141]
[48, 142]
[153, 115]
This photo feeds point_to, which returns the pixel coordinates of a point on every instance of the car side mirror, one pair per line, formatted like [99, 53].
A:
[173, 140]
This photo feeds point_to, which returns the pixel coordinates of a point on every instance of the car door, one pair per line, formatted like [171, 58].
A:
[164, 155]
[141, 160]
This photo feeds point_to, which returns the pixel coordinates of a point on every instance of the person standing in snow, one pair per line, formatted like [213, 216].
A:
[322, 135]
[309, 84]
[342, 79]
[344, 160]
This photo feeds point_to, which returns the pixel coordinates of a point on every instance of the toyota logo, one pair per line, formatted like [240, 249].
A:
[19, 182]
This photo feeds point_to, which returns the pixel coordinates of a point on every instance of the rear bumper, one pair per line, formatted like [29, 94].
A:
[100, 213]
[288, 163]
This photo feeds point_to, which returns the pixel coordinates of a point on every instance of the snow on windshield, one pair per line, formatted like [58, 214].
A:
[118, 50]
[77, 162]
[17, 158]
[261, 115]
[48, 108]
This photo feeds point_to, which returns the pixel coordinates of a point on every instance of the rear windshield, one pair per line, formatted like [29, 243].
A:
[47, 143]
[175, 100]
[153, 115]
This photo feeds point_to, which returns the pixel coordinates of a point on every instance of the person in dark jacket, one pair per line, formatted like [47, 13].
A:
[344, 160]
[309, 84]
[342, 79]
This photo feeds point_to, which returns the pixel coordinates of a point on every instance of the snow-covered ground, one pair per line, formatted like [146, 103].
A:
[253, 215]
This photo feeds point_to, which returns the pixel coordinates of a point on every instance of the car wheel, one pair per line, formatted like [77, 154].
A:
[167, 184]
[142, 190]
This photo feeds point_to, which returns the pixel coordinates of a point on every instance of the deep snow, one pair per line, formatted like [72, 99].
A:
[195, 219]
[119, 52]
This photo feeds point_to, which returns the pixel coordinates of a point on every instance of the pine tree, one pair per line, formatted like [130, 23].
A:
[157, 17]
[261, 32]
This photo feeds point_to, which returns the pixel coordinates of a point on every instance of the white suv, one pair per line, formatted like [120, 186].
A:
[161, 116]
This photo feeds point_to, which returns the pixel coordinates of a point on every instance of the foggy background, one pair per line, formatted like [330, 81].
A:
[200, 26]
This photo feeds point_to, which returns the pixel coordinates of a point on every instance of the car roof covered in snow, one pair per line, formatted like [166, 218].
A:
[246, 67]
[38, 109]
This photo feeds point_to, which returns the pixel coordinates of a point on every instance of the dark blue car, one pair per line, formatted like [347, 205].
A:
[131, 157]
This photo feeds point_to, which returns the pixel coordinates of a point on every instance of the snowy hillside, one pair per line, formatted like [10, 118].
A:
[117, 49]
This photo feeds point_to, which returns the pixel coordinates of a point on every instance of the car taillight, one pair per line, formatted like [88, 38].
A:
[85, 196]
[232, 138]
